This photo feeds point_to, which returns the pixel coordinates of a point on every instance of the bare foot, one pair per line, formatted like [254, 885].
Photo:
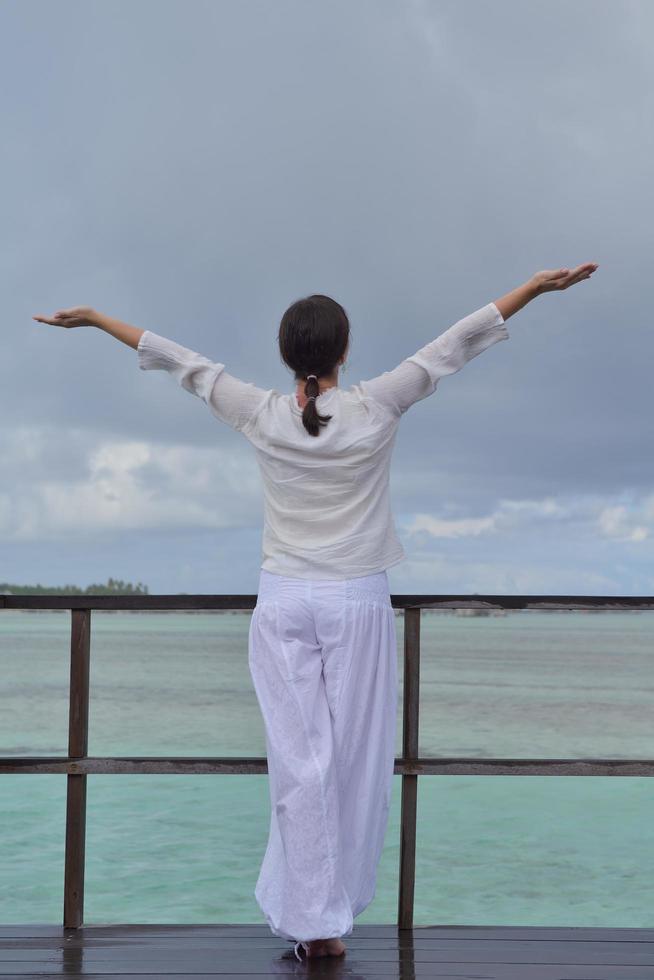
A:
[325, 947]
[334, 947]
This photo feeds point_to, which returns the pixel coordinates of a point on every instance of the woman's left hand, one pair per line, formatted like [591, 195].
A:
[551, 279]
[76, 316]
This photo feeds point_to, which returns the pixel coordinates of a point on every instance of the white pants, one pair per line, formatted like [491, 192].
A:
[323, 659]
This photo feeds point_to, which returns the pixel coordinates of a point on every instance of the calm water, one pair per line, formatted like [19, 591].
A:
[491, 850]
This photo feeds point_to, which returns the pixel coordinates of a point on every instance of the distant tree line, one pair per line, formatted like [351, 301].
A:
[114, 586]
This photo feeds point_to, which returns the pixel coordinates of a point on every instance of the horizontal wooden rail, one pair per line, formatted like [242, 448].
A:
[175, 602]
[257, 766]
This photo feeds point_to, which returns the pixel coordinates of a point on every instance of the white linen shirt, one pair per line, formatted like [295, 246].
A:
[327, 511]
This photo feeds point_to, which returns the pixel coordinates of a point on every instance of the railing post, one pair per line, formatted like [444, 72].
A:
[78, 739]
[408, 817]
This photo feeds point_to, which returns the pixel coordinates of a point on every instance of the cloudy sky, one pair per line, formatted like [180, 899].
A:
[193, 167]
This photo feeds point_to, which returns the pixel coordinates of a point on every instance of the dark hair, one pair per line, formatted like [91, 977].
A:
[313, 336]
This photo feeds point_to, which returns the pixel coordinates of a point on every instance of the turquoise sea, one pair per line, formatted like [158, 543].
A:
[573, 851]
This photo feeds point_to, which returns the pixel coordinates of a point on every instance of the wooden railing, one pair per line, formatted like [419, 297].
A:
[77, 765]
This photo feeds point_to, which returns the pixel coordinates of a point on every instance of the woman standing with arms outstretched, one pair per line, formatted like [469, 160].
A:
[322, 647]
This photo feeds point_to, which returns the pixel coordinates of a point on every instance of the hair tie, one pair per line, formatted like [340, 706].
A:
[311, 376]
[310, 397]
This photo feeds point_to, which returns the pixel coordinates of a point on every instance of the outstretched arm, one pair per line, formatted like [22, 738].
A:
[116, 328]
[234, 402]
[86, 316]
[417, 376]
[542, 282]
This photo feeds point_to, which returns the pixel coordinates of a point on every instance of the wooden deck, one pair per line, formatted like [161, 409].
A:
[204, 951]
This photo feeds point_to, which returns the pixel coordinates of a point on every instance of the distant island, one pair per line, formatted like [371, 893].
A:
[114, 586]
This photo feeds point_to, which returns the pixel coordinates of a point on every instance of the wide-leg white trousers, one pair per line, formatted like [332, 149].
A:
[323, 660]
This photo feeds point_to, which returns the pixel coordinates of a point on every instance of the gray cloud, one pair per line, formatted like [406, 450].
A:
[196, 167]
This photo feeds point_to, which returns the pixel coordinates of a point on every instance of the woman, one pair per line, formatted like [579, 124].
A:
[322, 644]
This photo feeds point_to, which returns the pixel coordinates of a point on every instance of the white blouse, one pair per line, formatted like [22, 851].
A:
[327, 512]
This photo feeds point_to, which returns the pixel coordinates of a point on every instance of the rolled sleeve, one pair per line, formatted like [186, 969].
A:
[231, 400]
[466, 339]
[417, 376]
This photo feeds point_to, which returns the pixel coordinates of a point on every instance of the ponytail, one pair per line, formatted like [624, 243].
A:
[311, 418]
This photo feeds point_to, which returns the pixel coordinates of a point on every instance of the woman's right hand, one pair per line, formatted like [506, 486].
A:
[550, 279]
[76, 316]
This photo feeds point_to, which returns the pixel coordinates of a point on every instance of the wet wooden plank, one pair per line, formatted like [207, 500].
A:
[576, 950]
[293, 968]
[617, 953]
[382, 951]
[369, 932]
[164, 958]
[176, 957]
